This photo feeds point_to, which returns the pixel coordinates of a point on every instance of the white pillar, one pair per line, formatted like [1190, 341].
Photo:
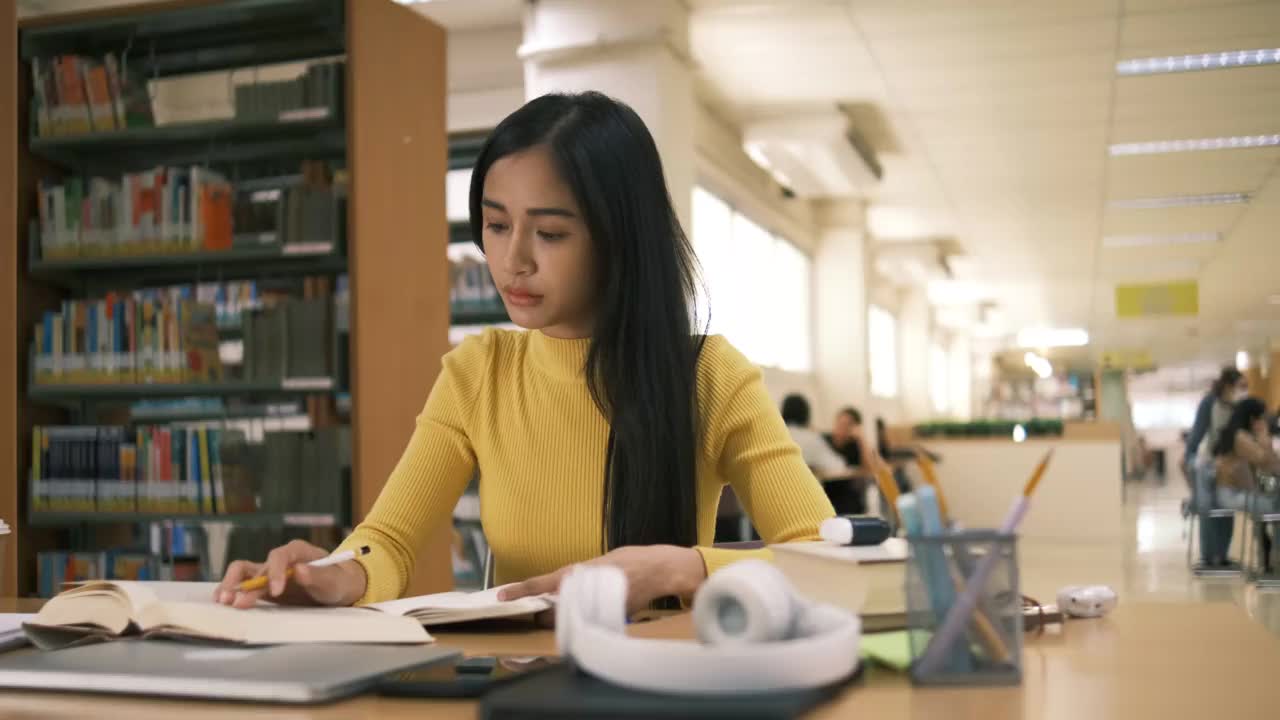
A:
[637, 52]
[914, 330]
[840, 308]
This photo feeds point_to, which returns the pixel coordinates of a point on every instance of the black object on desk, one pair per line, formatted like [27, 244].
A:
[565, 692]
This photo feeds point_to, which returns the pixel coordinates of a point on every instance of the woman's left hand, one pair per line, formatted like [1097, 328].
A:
[652, 571]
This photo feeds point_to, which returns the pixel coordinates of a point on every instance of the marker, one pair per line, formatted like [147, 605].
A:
[854, 530]
[259, 582]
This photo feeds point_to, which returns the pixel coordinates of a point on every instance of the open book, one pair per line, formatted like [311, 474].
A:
[103, 610]
[457, 607]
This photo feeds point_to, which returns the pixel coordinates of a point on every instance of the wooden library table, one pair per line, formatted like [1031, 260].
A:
[1147, 660]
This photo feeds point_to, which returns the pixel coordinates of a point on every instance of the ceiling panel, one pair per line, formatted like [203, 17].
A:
[1170, 221]
[1189, 173]
[1206, 28]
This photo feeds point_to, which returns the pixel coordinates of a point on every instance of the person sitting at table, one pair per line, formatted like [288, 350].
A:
[603, 433]
[1241, 452]
[846, 436]
[840, 481]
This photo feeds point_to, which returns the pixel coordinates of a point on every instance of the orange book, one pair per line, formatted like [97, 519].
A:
[215, 215]
[73, 106]
[98, 88]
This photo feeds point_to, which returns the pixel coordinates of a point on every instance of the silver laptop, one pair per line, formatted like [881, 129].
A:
[279, 673]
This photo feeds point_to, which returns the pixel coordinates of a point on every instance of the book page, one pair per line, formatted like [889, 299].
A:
[275, 625]
[443, 605]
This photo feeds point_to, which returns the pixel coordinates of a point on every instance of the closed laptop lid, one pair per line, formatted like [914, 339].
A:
[280, 673]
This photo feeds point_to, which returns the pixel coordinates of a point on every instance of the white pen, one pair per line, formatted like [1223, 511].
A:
[259, 582]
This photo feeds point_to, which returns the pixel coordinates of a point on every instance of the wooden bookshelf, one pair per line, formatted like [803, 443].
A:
[390, 135]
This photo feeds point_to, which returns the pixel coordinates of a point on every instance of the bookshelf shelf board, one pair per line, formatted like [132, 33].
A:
[133, 391]
[256, 519]
[193, 143]
[300, 259]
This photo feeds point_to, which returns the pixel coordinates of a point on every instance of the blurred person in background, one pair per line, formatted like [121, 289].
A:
[1212, 416]
[1242, 453]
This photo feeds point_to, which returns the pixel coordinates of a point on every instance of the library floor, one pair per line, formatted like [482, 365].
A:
[1155, 566]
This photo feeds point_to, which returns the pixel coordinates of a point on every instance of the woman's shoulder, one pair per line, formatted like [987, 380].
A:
[720, 357]
[723, 369]
[480, 350]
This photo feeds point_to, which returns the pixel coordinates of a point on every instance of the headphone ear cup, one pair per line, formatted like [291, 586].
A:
[594, 595]
[748, 602]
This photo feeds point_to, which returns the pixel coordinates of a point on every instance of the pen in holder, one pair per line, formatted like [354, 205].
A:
[988, 648]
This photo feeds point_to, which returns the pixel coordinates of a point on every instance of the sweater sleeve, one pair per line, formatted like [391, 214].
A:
[755, 454]
[431, 475]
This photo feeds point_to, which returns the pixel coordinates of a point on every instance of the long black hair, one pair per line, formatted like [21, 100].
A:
[1245, 413]
[1226, 379]
[641, 364]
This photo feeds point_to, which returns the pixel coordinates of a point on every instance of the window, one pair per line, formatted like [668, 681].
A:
[939, 384]
[882, 351]
[757, 285]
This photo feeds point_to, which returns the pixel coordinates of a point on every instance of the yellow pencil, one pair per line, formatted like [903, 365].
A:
[931, 477]
[1020, 506]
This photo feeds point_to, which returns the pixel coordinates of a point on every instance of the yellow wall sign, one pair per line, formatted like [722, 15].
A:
[1168, 298]
[1130, 359]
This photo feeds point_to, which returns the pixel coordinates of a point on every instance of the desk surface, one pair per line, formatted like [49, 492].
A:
[1157, 661]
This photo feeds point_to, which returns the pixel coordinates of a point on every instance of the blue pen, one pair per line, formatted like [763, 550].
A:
[942, 591]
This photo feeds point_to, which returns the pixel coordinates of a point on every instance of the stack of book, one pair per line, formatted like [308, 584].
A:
[160, 335]
[149, 469]
[78, 95]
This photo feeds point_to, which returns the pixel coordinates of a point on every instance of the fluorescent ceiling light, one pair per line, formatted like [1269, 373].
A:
[1202, 61]
[1123, 241]
[1052, 337]
[1177, 201]
[1242, 360]
[1195, 144]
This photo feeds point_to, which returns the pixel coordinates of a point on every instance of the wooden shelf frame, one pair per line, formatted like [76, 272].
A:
[393, 134]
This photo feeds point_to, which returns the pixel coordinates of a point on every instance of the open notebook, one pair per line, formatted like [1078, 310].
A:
[104, 610]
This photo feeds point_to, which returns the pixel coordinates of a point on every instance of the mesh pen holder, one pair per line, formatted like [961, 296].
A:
[987, 645]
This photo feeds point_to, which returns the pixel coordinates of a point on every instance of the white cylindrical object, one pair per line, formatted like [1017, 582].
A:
[836, 530]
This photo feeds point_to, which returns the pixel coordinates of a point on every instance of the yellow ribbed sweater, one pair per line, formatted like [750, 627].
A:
[515, 406]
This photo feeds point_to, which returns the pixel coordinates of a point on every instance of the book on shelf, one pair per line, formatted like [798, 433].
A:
[314, 95]
[156, 335]
[188, 469]
[174, 211]
[54, 568]
[178, 469]
[79, 95]
[108, 610]
[161, 211]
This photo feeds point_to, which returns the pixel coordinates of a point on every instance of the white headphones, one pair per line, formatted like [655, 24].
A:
[756, 633]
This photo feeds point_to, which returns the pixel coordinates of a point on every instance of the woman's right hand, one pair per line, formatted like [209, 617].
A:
[337, 585]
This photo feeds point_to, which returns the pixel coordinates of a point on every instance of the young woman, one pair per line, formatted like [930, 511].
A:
[604, 433]
[1241, 451]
